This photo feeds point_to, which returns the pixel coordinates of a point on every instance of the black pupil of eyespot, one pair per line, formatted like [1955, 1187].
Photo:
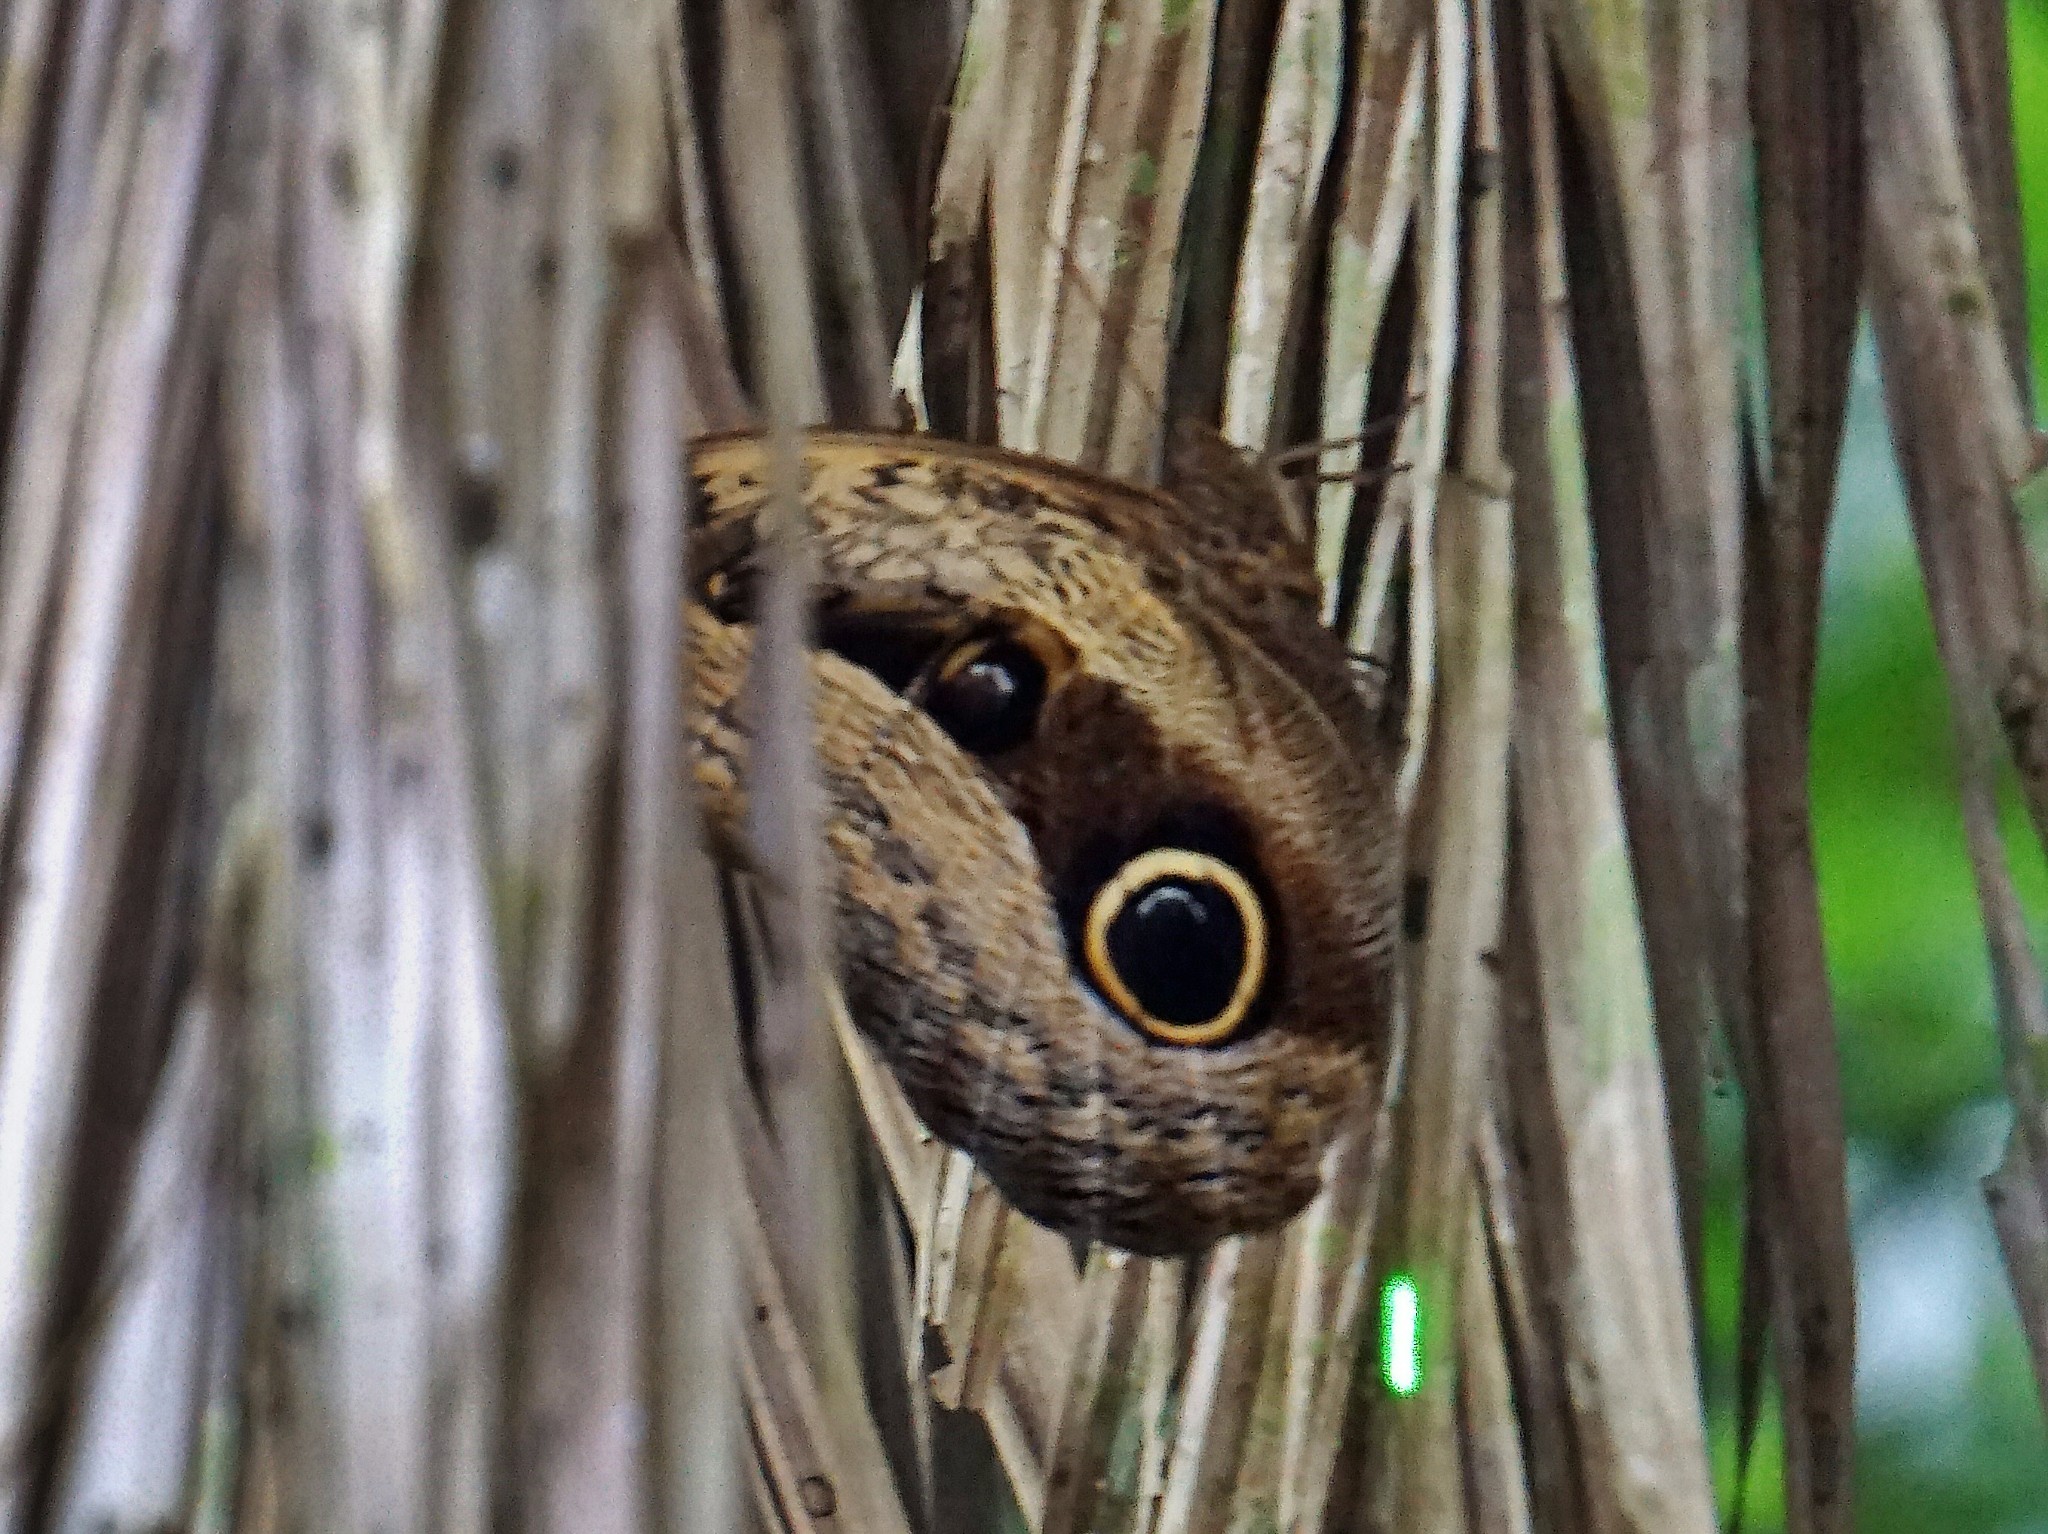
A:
[1179, 947]
[990, 702]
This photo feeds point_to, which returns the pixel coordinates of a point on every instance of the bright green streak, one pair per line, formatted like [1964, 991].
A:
[1401, 1335]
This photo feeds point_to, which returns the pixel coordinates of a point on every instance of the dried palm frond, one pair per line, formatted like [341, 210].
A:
[404, 1125]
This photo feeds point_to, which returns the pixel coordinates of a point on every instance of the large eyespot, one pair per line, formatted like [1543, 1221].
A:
[1177, 942]
[986, 694]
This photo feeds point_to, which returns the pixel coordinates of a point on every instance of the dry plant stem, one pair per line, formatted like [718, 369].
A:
[1300, 124]
[699, 1439]
[1794, 1099]
[1416, 1473]
[1809, 146]
[167, 1265]
[399, 1060]
[502, 334]
[1666, 159]
[569, 730]
[783, 800]
[29, 27]
[866, 260]
[820, 1458]
[131, 1451]
[583, 1347]
[489, 236]
[1376, 198]
[2015, 1189]
[1249, 76]
[672, 960]
[1089, 165]
[1513, 1182]
[275, 509]
[89, 177]
[72, 812]
[473, 1119]
[968, 1289]
[1334, 1292]
[362, 887]
[1021, 1399]
[1492, 1461]
[904, 1361]
[240, 974]
[1648, 206]
[2019, 1213]
[2017, 984]
[1253, 1498]
[1425, 426]
[1496, 1479]
[681, 112]
[635, 176]
[1958, 418]
[797, 1458]
[1979, 49]
[1462, 620]
[1228, 1344]
[804, 1083]
[469, 1100]
[378, 68]
[1107, 1367]
[443, 991]
[1460, 836]
[1154, 1393]
[1481, 312]
[1009, 1316]
[976, 111]
[408, 1041]
[1965, 451]
[1601, 1235]
[1137, 1502]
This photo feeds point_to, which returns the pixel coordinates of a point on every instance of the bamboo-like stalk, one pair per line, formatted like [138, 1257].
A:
[64, 822]
[1958, 413]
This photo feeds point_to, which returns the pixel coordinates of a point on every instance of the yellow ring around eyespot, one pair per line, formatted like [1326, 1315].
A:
[961, 656]
[1148, 868]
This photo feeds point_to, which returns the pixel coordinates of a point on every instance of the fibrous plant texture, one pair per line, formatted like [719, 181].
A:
[405, 1126]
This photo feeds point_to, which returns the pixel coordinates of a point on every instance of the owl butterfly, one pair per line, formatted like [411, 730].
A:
[1111, 830]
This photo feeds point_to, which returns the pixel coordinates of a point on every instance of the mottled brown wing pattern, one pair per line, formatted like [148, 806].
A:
[1112, 839]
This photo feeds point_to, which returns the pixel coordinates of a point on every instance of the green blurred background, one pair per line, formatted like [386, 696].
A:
[1950, 1428]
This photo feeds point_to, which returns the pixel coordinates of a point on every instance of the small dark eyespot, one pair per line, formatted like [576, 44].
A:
[1177, 943]
[987, 694]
